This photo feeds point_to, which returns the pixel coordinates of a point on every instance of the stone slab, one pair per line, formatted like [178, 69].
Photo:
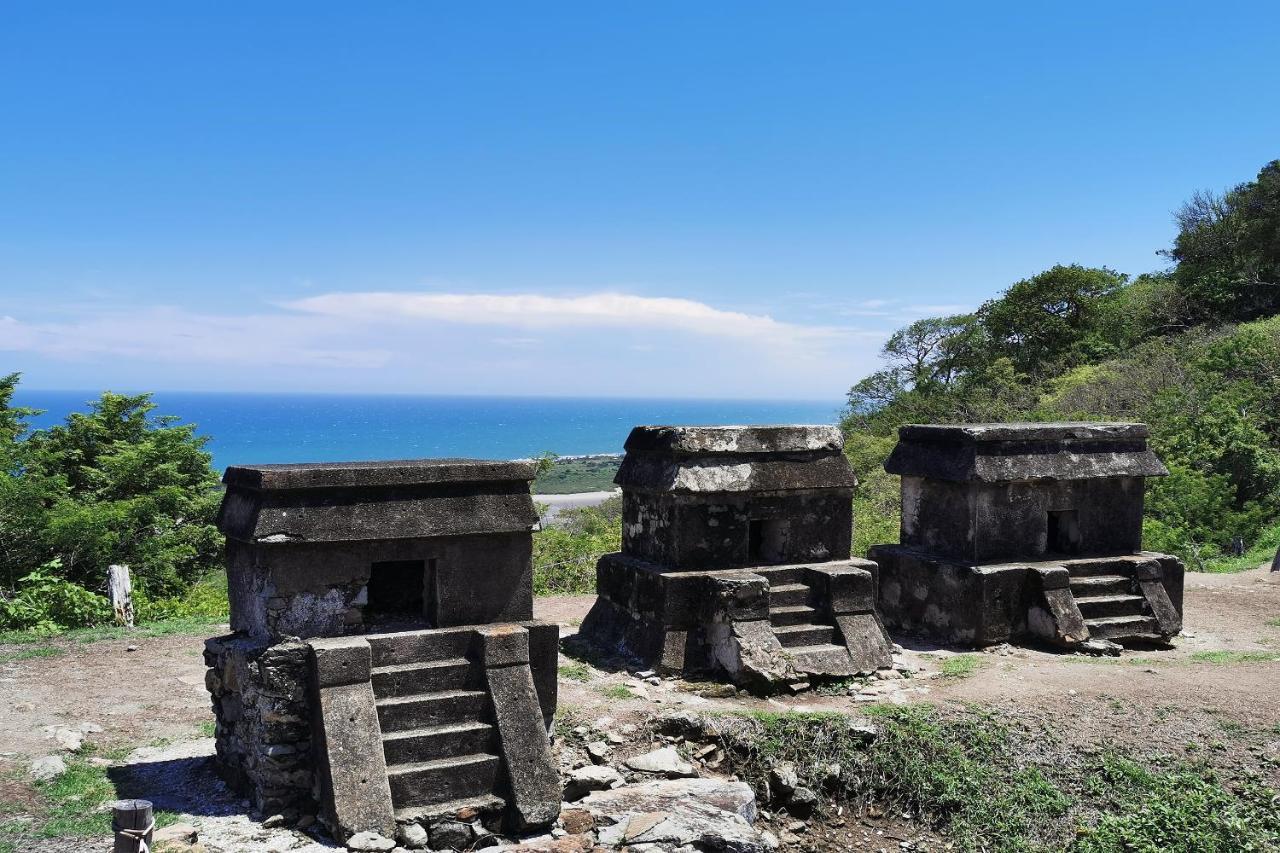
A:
[400, 472]
[356, 793]
[526, 750]
[341, 660]
[702, 440]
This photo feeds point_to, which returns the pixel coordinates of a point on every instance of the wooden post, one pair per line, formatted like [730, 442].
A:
[133, 824]
[120, 591]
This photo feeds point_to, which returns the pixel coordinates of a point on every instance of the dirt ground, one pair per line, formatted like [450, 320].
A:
[1165, 700]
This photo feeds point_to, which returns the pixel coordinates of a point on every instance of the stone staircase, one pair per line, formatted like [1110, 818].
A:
[805, 632]
[1111, 601]
[438, 733]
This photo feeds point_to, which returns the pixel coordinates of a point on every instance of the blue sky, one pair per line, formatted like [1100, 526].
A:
[713, 199]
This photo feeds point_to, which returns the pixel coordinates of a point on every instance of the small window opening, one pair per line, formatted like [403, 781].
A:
[397, 587]
[1063, 535]
[767, 540]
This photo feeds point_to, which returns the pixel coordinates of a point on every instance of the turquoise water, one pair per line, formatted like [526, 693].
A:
[257, 428]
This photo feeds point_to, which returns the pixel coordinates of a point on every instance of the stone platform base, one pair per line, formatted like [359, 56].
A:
[384, 730]
[1132, 597]
[761, 626]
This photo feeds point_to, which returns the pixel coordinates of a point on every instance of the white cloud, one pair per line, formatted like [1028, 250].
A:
[536, 311]
[169, 334]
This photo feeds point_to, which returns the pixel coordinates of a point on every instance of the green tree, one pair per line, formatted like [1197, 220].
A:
[118, 485]
[1228, 251]
[1052, 321]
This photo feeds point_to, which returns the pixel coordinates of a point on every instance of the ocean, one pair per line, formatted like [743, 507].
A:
[254, 428]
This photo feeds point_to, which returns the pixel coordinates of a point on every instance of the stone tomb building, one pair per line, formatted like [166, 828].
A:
[736, 557]
[385, 665]
[1019, 531]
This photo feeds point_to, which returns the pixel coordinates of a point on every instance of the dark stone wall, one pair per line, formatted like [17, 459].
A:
[696, 532]
[319, 589]
[262, 713]
[983, 522]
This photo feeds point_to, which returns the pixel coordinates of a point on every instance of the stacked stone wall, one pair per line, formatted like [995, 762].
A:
[263, 729]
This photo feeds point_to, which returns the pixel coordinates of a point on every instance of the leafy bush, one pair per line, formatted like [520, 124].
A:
[565, 553]
[1182, 811]
[46, 602]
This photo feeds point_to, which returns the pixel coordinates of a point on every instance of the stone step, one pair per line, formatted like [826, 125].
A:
[406, 679]
[780, 574]
[443, 780]
[428, 744]
[415, 647]
[788, 594]
[791, 636]
[1123, 627]
[1090, 568]
[827, 659]
[464, 809]
[796, 614]
[1100, 585]
[401, 713]
[1098, 606]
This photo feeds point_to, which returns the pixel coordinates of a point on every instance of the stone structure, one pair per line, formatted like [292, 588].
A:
[735, 557]
[1018, 531]
[384, 662]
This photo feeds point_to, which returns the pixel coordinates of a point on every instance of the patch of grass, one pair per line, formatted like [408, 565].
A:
[1225, 656]
[1184, 810]
[616, 691]
[178, 625]
[31, 654]
[575, 672]
[1262, 552]
[584, 474]
[72, 801]
[961, 666]
[989, 786]
[1274, 623]
[960, 772]
[207, 728]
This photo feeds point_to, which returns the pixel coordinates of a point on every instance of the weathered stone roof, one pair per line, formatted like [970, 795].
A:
[363, 501]
[398, 472]
[1019, 452]
[1025, 431]
[734, 459]
[705, 440]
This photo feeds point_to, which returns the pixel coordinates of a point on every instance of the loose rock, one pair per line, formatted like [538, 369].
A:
[584, 780]
[370, 842]
[663, 762]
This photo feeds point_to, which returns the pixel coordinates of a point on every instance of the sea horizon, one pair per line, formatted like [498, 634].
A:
[258, 427]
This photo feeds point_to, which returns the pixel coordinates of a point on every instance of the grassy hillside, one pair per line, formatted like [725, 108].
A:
[1192, 350]
[570, 475]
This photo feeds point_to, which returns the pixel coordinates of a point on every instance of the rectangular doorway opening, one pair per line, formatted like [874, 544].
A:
[396, 588]
[766, 540]
[1063, 534]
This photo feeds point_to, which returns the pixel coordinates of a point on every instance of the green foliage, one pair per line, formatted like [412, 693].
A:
[959, 772]
[575, 671]
[565, 553]
[1227, 656]
[1074, 343]
[1172, 812]
[579, 474]
[973, 776]
[45, 602]
[1053, 321]
[961, 666]
[1228, 251]
[112, 485]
